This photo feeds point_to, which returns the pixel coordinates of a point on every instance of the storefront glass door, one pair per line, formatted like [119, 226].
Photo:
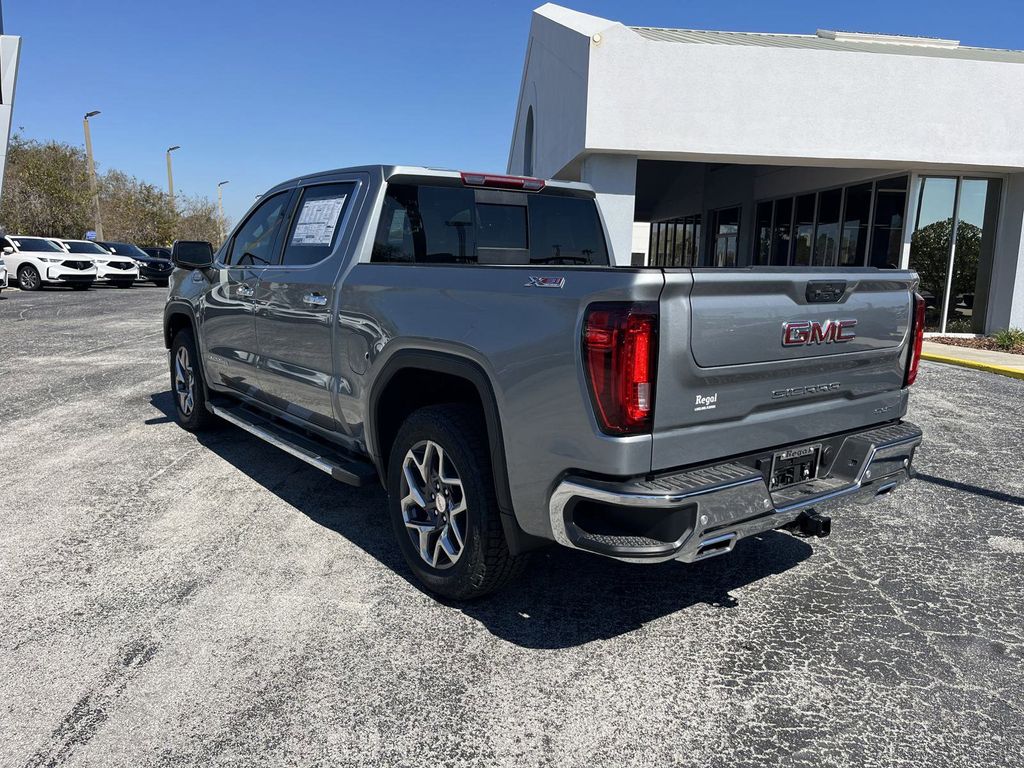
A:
[951, 250]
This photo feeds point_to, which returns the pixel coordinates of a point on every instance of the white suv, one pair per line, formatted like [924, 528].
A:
[111, 268]
[3, 274]
[36, 261]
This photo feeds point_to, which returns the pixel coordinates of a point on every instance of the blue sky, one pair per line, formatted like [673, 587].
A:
[257, 91]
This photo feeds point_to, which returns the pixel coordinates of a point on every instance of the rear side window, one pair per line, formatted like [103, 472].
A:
[565, 230]
[428, 224]
[316, 223]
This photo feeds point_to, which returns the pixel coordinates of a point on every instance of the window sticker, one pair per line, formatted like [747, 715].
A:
[318, 220]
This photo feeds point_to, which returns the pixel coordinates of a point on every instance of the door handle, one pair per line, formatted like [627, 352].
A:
[246, 291]
[315, 300]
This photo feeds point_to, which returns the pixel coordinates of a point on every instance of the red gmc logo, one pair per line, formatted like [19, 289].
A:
[803, 332]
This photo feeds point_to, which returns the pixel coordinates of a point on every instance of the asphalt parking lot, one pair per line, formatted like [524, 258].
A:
[168, 600]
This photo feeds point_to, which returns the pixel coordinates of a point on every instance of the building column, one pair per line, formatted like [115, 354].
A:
[1006, 295]
[909, 219]
[613, 177]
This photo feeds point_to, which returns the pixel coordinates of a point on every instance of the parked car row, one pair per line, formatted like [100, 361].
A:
[32, 262]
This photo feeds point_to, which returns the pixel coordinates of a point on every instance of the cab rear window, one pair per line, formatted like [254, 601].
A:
[435, 224]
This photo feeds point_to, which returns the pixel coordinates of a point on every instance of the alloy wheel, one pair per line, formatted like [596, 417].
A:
[433, 504]
[29, 279]
[184, 381]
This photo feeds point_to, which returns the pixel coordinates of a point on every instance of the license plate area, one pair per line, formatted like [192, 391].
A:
[794, 465]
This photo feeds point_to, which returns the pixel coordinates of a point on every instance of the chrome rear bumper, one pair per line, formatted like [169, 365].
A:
[696, 514]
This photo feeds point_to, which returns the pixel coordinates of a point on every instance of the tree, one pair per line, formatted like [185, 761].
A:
[135, 211]
[46, 189]
[46, 193]
[198, 220]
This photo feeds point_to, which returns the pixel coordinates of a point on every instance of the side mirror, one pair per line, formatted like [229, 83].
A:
[8, 250]
[192, 254]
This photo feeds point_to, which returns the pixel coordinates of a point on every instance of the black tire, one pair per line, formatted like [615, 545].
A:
[484, 563]
[196, 418]
[28, 278]
[80, 286]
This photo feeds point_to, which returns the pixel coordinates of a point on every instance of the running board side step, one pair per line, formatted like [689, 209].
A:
[310, 450]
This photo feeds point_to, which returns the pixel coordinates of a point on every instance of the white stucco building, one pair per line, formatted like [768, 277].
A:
[10, 47]
[824, 149]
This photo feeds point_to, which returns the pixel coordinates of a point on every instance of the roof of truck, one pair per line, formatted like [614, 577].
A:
[387, 171]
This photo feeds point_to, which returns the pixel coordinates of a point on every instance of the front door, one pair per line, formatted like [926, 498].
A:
[229, 331]
[295, 302]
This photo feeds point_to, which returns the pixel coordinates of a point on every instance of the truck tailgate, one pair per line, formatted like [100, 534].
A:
[751, 359]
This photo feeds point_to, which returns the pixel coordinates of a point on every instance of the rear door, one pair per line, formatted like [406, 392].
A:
[228, 327]
[296, 303]
[752, 359]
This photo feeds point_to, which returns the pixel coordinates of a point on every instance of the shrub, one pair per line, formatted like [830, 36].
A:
[959, 325]
[1009, 339]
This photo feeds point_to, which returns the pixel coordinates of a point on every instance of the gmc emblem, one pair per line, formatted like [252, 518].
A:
[802, 332]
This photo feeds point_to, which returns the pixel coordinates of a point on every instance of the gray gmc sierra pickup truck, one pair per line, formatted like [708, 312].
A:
[464, 338]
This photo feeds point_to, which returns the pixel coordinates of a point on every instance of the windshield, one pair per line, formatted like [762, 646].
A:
[34, 244]
[81, 246]
[127, 249]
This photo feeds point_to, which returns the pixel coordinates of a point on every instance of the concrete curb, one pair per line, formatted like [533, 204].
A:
[1002, 370]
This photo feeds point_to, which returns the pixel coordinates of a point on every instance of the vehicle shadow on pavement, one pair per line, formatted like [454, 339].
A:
[568, 598]
[565, 598]
[976, 490]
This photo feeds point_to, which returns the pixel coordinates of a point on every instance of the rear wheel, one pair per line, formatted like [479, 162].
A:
[28, 278]
[442, 504]
[187, 384]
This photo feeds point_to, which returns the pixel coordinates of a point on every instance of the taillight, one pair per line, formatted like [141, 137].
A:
[917, 339]
[524, 183]
[620, 353]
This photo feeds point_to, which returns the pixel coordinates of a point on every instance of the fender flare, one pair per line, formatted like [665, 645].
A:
[176, 307]
[465, 368]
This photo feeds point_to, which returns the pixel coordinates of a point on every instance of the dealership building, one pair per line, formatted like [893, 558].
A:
[738, 149]
[10, 47]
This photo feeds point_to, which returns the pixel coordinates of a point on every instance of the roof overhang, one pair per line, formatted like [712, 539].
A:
[597, 86]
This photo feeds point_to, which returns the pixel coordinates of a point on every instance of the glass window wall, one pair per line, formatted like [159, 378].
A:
[675, 243]
[853, 244]
[834, 227]
[826, 233]
[782, 232]
[763, 234]
[725, 237]
[952, 249]
[803, 227]
[887, 231]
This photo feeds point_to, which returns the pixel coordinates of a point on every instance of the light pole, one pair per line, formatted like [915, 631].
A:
[170, 174]
[92, 173]
[220, 206]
